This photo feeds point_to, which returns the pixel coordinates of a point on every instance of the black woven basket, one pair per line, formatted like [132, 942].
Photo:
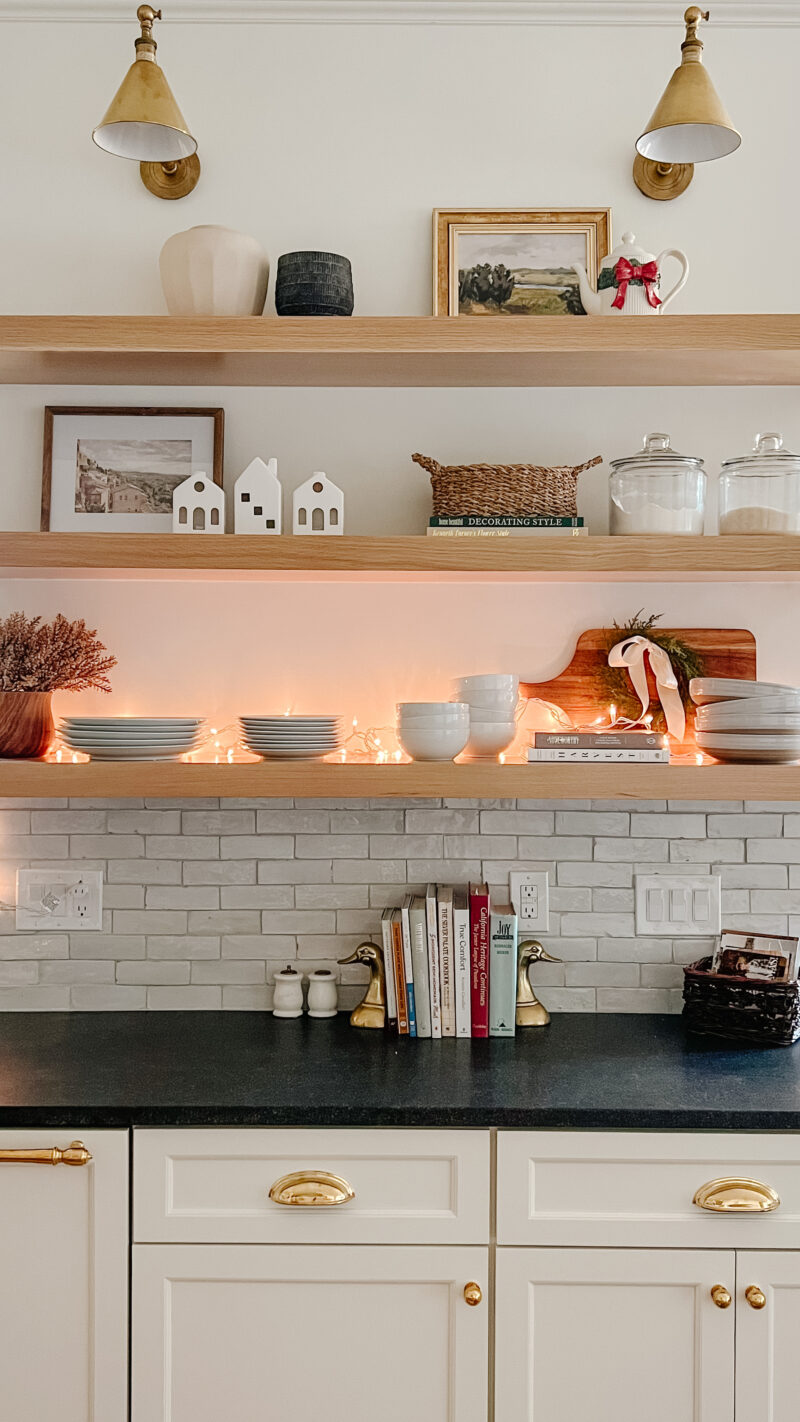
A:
[767, 1014]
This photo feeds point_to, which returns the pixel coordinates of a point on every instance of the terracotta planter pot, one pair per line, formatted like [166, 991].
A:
[26, 724]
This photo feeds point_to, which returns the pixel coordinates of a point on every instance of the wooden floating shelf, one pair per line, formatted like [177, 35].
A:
[400, 351]
[255, 780]
[183, 556]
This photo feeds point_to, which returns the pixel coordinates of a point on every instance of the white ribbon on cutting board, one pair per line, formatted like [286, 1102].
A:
[631, 654]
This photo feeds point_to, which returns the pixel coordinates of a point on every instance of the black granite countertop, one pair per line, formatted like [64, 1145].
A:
[589, 1072]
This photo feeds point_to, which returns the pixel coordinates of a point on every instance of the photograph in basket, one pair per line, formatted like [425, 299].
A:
[756, 957]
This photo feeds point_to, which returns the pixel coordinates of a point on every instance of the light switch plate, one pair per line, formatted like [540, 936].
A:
[61, 899]
[678, 905]
[530, 897]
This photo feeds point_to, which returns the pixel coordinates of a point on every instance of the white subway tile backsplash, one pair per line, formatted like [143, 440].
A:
[206, 899]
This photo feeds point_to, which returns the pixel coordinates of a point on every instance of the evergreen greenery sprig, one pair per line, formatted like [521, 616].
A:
[614, 684]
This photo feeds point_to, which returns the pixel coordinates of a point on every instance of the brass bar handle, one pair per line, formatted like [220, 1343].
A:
[721, 1296]
[75, 1154]
[312, 1187]
[755, 1296]
[736, 1195]
[473, 1294]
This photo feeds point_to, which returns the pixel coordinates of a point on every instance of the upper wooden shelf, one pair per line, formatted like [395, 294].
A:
[302, 779]
[127, 555]
[400, 350]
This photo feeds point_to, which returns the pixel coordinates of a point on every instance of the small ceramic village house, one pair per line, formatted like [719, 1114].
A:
[198, 506]
[318, 506]
[258, 499]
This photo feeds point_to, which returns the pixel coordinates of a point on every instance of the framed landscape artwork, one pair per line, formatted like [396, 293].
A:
[108, 469]
[494, 263]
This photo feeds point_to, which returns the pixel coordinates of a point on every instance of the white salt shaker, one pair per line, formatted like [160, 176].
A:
[323, 995]
[288, 997]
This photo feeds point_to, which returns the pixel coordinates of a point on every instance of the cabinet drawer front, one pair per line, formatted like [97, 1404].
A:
[637, 1188]
[410, 1187]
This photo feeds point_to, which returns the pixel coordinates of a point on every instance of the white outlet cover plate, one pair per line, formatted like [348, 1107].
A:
[80, 892]
[678, 905]
[530, 898]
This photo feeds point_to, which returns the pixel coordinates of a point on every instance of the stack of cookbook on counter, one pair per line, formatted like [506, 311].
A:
[451, 964]
[504, 526]
[612, 746]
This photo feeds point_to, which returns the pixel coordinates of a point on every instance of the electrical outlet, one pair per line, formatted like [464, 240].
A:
[678, 905]
[59, 899]
[530, 897]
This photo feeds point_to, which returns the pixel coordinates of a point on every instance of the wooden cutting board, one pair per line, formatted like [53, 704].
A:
[726, 651]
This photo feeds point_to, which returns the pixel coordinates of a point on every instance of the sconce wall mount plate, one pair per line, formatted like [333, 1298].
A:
[144, 123]
[690, 124]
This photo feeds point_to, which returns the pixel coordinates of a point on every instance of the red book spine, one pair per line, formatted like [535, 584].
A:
[479, 964]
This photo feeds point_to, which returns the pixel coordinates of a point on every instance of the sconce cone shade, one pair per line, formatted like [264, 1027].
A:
[143, 121]
[690, 124]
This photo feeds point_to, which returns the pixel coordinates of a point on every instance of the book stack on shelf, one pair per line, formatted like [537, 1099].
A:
[451, 964]
[637, 747]
[504, 526]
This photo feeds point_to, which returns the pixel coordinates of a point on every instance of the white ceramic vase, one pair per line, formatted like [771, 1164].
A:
[214, 271]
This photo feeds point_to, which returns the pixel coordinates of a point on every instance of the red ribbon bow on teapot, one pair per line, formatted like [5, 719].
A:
[625, 272]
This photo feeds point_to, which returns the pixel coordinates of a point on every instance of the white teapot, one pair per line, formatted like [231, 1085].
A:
[629, 281]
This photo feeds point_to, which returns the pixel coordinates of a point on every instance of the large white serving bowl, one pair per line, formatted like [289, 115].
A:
[433, 743]
[490, 738]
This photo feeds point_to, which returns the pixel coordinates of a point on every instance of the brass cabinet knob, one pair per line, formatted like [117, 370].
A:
[473, 1294]
[755, 1296]
[721, 1296]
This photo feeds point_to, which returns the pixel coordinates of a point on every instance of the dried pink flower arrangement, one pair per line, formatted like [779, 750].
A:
[51, 656]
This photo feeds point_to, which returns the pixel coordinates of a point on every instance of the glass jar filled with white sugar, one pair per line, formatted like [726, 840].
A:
[760, 492]
[657, 490]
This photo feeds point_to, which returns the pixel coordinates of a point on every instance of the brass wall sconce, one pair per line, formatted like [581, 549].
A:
[690, 124]
[144, 122]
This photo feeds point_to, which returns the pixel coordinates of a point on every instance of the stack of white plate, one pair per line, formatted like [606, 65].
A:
[292, 737]
[755, 721]
[132, 737]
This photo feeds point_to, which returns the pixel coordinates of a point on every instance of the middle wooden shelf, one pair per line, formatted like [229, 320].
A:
[761, 557]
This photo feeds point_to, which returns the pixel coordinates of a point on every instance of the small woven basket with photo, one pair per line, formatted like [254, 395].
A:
[767, 1014]
[516, 490]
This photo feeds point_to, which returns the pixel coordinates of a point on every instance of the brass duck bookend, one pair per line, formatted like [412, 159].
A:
[371, 1011]
[530, 1011]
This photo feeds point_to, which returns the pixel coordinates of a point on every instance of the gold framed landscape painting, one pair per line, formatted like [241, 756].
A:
[494, 263]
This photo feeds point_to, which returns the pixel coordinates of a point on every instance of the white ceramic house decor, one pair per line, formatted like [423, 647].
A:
[258, 499]
[318, 506]
[198, 506]
[214, 271]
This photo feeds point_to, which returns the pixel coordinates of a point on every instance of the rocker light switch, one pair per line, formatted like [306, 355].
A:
[678, 906]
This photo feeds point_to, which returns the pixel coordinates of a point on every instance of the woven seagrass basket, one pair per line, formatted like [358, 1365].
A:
[767, 1014]
[513, 489]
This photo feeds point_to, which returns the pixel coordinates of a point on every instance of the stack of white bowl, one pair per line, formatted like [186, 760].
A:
[432, 730]
[492, 701]
[757, 721]
[132, 737]
[292, 737]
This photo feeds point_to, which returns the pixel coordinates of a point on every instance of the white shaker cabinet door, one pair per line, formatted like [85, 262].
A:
[767, 1336]
[268, 1333]
[614, 1335]
[63, 1279]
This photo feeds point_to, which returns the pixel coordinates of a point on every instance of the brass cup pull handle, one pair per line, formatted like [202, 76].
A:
[737, 1196]
[721, 1296]
[473, 1294]
[311, 1187]
[755, 1296]
[75, 1154]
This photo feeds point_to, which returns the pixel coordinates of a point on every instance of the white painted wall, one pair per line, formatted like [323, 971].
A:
[346, 137]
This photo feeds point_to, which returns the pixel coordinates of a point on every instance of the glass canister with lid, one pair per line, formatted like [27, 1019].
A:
[657, 491]
[760, 492]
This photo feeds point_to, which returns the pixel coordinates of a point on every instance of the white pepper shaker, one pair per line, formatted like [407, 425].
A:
[323, 995]
[288, 996]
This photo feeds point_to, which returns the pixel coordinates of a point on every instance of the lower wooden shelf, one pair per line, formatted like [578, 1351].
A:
[545, 782]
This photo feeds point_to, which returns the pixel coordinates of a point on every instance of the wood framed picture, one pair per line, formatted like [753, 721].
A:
[494, 263]
[113, 469]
